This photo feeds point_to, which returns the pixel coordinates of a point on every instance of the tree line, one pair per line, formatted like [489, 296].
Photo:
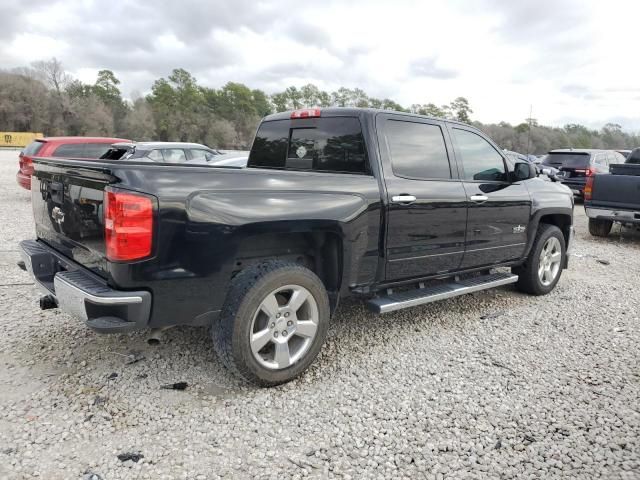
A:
[45, 98]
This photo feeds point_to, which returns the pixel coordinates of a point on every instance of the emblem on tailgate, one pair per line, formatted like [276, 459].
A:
[58, 215]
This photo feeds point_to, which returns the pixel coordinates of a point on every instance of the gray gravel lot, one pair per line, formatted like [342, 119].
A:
[493, 385]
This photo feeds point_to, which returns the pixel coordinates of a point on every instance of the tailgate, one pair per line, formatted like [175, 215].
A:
[67, 200]
[616, 191]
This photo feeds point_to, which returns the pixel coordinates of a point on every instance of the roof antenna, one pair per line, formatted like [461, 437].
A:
[529, 134]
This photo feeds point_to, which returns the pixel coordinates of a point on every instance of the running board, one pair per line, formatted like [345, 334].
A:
[420, 296]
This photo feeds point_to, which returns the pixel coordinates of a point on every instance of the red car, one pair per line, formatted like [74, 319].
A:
[66, 147]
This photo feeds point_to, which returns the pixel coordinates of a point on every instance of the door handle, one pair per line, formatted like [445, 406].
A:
[478, 198]
[404, 198]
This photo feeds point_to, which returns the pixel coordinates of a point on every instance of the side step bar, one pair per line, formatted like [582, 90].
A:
[420, 296]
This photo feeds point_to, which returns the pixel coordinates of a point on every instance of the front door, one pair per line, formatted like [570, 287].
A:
[499, 210]
[426, 200]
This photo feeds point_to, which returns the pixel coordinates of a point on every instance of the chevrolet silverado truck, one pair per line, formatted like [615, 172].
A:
[396, 208]
[614, 197]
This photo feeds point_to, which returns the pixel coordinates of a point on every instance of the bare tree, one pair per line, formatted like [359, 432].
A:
[52, 74]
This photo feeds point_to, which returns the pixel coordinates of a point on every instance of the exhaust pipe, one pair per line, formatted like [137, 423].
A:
[48, 302]
[155, 337]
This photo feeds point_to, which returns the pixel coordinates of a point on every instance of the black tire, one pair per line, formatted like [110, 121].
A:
[247, 291]
[528, 279]
[600, 228]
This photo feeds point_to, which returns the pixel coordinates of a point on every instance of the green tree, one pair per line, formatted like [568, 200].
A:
[461, 109]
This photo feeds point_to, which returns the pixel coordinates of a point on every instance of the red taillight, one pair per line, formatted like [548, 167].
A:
[306, 113]
[26, 165]
[590, 172]
[588, 188]
[128, 225]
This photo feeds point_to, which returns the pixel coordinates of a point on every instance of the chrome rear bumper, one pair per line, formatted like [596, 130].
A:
[80, 293]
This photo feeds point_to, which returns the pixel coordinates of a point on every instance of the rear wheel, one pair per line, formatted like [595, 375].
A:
[273, 323]
[542, 270]
[600, 228]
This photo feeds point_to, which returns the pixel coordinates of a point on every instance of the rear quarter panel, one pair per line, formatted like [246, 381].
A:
[205, 214]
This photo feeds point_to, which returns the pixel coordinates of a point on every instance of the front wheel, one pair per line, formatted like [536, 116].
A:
[273, 323]
[541, 272]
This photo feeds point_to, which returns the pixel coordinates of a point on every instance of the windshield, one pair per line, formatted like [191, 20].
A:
[566, 159]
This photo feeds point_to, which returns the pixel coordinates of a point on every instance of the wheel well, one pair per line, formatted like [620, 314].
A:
[320, 252]
[563, 222]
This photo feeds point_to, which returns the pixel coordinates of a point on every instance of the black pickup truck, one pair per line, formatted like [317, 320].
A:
[614, 197]
[400, 209]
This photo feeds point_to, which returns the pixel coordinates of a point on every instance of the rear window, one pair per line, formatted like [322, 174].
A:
[33, 148]
[331, 144]
[569, 160]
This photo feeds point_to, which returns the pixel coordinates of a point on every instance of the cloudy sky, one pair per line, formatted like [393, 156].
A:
[574, 61]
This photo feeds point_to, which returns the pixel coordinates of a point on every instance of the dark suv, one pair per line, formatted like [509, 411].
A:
[576, 165]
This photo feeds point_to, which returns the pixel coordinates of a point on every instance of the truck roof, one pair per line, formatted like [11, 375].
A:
[355, 111]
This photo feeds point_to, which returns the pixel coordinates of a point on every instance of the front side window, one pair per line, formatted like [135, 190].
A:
[155, 155]
[481, 161]
[417, 150]
[69, 150]
[174, 155]
[333, 144]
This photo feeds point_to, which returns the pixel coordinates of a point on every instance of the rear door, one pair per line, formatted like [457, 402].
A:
[498, 210]
[426, 199]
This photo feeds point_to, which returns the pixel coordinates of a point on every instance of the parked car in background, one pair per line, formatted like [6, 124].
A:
[576, 165]
[550, 172]
[61, 147]
[236, 159]
[161, 152]
[624, 153]
[615, 197]
[400, 209]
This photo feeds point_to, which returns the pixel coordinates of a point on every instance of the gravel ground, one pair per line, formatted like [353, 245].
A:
[492, 385]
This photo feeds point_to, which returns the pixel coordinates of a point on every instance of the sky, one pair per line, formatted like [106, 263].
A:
[571, 61]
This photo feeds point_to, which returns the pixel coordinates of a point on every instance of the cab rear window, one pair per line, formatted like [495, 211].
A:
[333, 144]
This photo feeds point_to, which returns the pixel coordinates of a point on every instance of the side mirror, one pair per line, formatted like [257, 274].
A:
[524, 171]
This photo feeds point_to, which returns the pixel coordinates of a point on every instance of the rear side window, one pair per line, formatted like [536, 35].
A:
[69, 150]
[567, 159]
[96, 150]
[417, 150]
[332, 144]
[481, 161]
[174, 155]
[33, 148]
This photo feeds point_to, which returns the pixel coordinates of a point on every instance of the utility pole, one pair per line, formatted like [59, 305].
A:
[529, 134]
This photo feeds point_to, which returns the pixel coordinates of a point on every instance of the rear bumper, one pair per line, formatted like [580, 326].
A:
[622, 216]
[23, 180]
[80, 293]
